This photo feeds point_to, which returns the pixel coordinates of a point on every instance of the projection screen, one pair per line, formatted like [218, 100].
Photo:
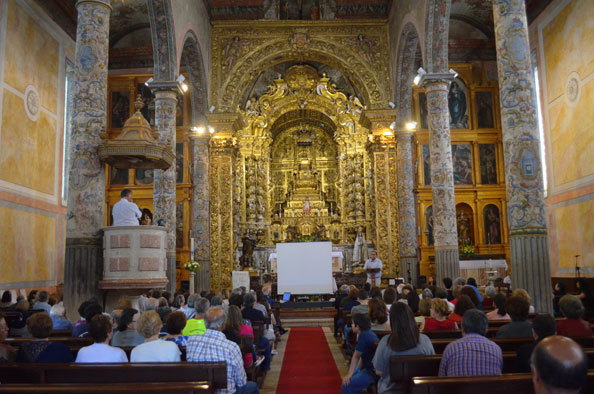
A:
[304, 267]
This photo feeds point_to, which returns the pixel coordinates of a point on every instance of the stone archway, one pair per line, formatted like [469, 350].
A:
[191, 60]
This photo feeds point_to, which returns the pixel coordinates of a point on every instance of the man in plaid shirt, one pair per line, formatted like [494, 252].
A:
[473, 354]
[214, 346]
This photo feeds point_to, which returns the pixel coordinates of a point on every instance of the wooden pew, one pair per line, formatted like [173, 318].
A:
[507, 383]
[509, 344]
[76, 388]
[61, 333]
[215, 373]
[404, 369]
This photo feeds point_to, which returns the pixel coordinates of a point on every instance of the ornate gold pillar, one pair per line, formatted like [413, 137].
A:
[223, 195]
[382, 147]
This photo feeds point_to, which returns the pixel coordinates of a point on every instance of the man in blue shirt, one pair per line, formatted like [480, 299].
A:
[358, 379]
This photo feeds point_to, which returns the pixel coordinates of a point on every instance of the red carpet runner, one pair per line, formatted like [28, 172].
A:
[308, 366]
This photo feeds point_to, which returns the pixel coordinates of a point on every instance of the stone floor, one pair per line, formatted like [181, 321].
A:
[271, 381]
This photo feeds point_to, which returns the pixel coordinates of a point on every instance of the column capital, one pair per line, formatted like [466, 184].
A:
[105, 3]
[402, 134]
[203, 138]
[436, 78]
[165, 86]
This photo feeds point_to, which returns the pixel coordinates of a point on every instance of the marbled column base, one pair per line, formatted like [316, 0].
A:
[171, 273]
[447, 264]
[531, 271]
[82, 272]
[410, 263]
[203, 276]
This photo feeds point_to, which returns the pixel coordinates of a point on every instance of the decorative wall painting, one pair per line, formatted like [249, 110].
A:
[144, 176]
[462, 162]
[179, 226]
[465, 224]
[119, 176]
[492, 224]
[487, 158]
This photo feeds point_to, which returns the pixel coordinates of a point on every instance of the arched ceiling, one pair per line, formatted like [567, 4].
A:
[302, 117]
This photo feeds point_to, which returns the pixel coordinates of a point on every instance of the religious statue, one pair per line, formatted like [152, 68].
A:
[360, 251]
[248, 245]
[463, 228]
[306, 207]
[233, 50]
[291, 233]
[320, 233]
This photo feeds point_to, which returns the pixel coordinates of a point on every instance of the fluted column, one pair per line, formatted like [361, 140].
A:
[442, 176]
[523, 171]
[86, 175]
[201, 208]
[164, 186]
[407, 217]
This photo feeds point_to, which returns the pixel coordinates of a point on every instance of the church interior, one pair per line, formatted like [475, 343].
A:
[449, 137]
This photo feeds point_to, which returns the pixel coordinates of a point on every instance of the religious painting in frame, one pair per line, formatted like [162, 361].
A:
[179, 162]
[465, 224]
[423, 110]
[484, 110]
[179, 111]
[492, 221]
[488, 162]
[120, 109]
[458, 104]
[119, 176]
[144, 176]
[429, 226]
[462, 163]
[179, 225]
[426, 165]
[147, 97]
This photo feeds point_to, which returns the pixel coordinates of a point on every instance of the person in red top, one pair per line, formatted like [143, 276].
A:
[573, 325]
[439, 317]
[464, 303]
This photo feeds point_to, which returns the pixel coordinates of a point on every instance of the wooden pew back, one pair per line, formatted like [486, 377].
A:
[76, 388]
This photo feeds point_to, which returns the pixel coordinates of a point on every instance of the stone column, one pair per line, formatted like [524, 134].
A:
[523, 171]
[442, 176]
[407, 216]
[86, 175]
[201, 208]
[164, 186]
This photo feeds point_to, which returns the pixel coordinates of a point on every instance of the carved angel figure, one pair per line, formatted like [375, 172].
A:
[233, 50]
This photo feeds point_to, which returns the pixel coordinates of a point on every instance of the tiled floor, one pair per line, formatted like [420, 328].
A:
[272, 377]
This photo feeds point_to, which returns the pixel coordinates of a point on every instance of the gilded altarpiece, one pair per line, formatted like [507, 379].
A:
[222, 171]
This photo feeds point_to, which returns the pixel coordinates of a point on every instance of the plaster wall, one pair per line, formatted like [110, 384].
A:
[561, 38]
[192, 15]
[33, 53]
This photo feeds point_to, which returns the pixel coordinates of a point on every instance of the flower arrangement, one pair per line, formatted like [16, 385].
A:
[467, 250]
[192, 265]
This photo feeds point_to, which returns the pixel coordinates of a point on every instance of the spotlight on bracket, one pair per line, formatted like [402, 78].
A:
[410, 126]
[181, 80]
[392, 125]
[452, 71]
[211, 129]
[420, 72]
[149, 81]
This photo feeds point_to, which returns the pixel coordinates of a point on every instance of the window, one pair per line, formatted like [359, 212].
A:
[541, 136]
[68, 103]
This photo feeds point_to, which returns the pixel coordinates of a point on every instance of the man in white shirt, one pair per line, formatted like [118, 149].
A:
[373, 266]
[101, 331]
[125, 212]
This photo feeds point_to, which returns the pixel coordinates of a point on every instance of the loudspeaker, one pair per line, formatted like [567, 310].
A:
[422, 282]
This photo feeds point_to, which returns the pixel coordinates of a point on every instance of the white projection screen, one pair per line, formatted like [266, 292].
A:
[304, 267]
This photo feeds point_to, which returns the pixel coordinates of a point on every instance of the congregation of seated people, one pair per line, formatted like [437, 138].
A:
[403, 321]
[209, 327]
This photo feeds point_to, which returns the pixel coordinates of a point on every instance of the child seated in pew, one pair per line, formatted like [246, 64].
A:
[405, 340]
[361, 371]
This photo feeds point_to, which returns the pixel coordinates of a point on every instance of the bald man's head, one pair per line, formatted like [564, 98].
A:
[558, 364]
[215, 318]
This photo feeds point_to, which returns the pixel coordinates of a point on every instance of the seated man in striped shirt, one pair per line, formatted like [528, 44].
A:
[214, 346]
[473, 354]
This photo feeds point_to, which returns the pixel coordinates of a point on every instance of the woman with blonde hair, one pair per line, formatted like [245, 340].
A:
[439, 316]
[153, 349]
